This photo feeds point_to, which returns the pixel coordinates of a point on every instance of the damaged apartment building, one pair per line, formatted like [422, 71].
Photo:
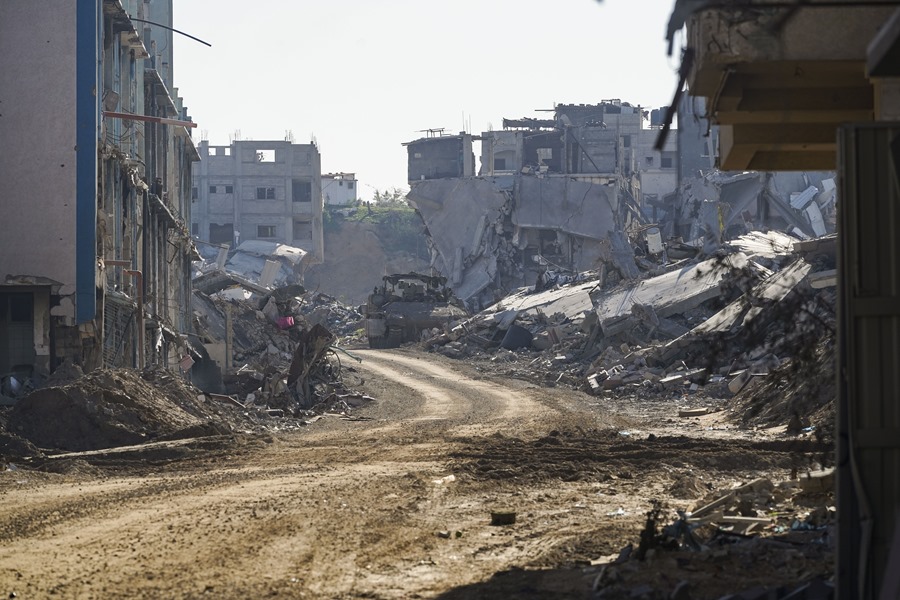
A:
[96, 180]
[269, 191]
[711, 205]
[551, 194]
[588, 190]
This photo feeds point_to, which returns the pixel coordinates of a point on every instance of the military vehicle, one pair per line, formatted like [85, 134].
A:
[407, 304]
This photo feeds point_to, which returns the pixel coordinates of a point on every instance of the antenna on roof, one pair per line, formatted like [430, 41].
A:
[435, 132]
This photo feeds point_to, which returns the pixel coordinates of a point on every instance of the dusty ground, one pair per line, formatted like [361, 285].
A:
[394, 503]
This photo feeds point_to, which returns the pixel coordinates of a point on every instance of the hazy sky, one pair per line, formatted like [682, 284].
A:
[363, 76]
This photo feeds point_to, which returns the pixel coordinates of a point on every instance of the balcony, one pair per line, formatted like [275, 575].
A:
[779, 82]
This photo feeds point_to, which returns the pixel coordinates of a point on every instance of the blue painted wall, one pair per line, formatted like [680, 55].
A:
[87, 73]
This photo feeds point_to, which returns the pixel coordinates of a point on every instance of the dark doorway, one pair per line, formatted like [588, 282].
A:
[16, 333]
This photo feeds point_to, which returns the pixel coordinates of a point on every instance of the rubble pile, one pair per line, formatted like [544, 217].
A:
[718, 205]
[255, 263]
[774, 541]
[697, 332]
[113, 407]
[285, 343]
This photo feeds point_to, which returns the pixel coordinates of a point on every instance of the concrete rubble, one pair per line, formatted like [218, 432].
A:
[551, 194]
[275, 349]
[254, 263]
[582, 192]
[696, 331]
[480, 230]
[779, 535]
[714, 206]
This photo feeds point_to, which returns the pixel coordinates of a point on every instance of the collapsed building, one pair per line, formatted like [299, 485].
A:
[96, 179]
[717, 205]
[550, 194]
[587, 189]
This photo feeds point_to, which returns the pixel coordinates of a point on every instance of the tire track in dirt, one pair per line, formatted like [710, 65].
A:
[438, 404]
[455, 396]
[347, 509]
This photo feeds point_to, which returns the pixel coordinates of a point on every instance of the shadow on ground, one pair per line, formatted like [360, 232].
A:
[563, 584]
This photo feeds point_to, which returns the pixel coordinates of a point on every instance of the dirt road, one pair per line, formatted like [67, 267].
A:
[395, 505]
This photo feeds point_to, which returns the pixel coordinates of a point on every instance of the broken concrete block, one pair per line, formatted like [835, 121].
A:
[650, 376]
[740, 381]
[672, 381]
[818, 482]
[696, 376]
[693, 412]
[542, 341]
[595, 383]
[613, 382]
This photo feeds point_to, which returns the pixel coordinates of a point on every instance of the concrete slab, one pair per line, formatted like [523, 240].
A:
[773, 289]
[743, 310]
[771, 244]
[799, 200]
[459, 214]
[576, 207]
[671, 293]
[572, 301]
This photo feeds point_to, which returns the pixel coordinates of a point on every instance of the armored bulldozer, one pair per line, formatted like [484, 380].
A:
[407, 304]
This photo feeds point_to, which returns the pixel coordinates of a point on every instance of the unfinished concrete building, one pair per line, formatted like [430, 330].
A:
[814, 86]
[95, 179]
[259, 190]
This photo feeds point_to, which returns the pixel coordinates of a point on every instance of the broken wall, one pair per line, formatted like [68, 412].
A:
[564, 204]
[461, 215]
[717, 205]
[502, 152]
[491, 235]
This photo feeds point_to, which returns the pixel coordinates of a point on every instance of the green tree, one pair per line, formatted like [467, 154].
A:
[390, 197]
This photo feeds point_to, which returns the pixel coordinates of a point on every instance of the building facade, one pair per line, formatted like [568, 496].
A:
[657, 170]
[259, 190]
[94, 187]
